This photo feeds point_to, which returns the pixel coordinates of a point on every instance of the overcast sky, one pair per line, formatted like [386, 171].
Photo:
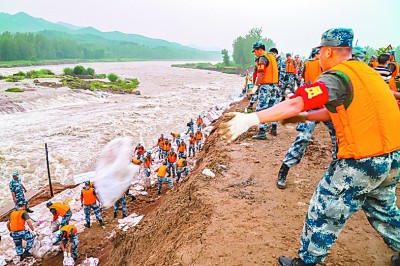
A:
[294, 25]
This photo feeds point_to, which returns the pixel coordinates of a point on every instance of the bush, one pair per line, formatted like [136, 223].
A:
[90, 71]
[14, 90]
[112, 77]
[42, 73]
[68, 71]
[79, 70]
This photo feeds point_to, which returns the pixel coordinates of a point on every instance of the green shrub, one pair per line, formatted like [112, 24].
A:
[20, 74]
[42, 73]
[68, 71]
[112, 77]
[14, 90]
[90, 71]
[79, 70]
[101, 76]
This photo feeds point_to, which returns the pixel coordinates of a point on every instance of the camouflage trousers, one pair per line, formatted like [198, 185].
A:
[74, 248]
[121, 201]
[297, 149]
[172, 168]
[164, 180]
[180, 154]
[22, 235]
[266, 96]
[347, 186]
[147, 171]
[96, 210]
[275, 100]
[289, 83]
[160, 152]
[65, 219]
[191, 149]
[179, 172]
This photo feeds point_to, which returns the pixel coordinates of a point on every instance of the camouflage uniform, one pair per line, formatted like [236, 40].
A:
[298, 147]
[289, 83]
[96, 210]
[74, 241]
[347, 186]
[121, 201]
[66, 218]
[179, 172]
[266, 95]
[192, 149]
[16, 187]
[279, 88]
[22, 235]
[164, 180]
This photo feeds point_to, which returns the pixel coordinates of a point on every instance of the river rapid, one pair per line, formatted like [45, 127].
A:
[76, 124]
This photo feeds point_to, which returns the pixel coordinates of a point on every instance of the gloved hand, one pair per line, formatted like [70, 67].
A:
[65, 254]
[300, 118]
[238, 124]
[34, 233]
[69, 255]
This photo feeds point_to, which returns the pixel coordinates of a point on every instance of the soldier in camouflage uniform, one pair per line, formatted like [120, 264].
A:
[89, 201]
[265, 82]
[279, 88]
[290, 76]
[18, 190]
[299, 70]
[121, 201]
[298, 147]
[69, 241]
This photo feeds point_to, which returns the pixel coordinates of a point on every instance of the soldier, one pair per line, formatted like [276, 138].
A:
[160, 144]
[182, 167]
[199, 139]
[121, 201]
[199, 122]
[181, 148]
[291, 66]
[359, 53]
[373, 61]
[59, 209]
[192, 142]
[267, 79]
[299, 70]
[190, 126]
[393, 65]
[16, 226]
[89, 201]
[18, 190]
[171, 159]
[368, 166]
[69, 241]
[161, 172]
[147, 163]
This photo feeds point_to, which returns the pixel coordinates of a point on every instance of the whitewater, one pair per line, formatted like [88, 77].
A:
[77, 124]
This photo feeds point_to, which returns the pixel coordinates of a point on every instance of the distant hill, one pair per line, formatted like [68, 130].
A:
[112, 44]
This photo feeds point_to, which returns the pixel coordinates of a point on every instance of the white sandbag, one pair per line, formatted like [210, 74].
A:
[114, 172]
[2, 261]
[68, 261]
[90, 262]
[54, 226]
[208, 172]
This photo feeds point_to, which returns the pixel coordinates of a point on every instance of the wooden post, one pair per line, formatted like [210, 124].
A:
[48, 170]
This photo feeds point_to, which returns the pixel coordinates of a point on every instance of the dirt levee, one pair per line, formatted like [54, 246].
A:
[240, 217]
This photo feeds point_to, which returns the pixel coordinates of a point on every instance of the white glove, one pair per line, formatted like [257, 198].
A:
[65, 254]
[34, 233]
[238, 124]
[69, 255]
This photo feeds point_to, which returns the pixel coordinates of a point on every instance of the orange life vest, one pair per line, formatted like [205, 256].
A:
[60, 208]
[396, 71]
[182, 147]
[180, 163]
[147, 162]
[192, 140]
[67, 229]
[312, 71]
[162, 171]
[199, 135]
[88, 196]
[290, 66]
[392, 84]
[299, 65]
[271, 72]
[172, 157]
[199, 120]
[17, 223]
[160, 142]
[167, 146]
[369, 126]
[175, 135]
[373, 64]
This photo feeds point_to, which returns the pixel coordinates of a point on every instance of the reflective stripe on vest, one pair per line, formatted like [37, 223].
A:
[312, 71]
[370, 125]
[271, 72]
[60, 208]
[17, 223]
[88, 196]
[67, 229]
[162, 171]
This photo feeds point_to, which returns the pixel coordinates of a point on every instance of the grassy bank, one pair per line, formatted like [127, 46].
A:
[220, 67]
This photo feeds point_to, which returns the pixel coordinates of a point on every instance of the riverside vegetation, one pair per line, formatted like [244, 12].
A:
[78, 77]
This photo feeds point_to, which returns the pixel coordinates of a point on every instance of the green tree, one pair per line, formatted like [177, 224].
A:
[79, 70]
[225, 57]
[242, 46]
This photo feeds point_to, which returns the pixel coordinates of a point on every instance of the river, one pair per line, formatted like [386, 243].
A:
[77, 124]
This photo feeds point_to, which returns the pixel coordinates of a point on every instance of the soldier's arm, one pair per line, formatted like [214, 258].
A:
[29, 222]
[23, 187]
[13, 196]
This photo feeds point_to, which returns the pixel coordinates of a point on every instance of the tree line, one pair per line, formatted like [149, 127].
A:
[47, 45]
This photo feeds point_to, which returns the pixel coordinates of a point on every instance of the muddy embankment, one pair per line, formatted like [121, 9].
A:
[240, 217]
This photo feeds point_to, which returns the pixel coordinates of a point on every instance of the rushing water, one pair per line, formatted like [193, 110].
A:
[77, 124]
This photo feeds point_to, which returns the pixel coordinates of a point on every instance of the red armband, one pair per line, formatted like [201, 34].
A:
[314, 95]
[261, 68]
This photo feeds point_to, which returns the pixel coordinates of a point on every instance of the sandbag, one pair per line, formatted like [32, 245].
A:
[114, 172]
[68, 261]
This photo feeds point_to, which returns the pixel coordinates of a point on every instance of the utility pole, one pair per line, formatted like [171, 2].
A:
[48, 170]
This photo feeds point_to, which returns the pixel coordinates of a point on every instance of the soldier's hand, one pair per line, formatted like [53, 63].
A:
[238, 124]
[300, 118]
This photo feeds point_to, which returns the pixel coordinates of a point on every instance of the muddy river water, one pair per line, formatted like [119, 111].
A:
[77, 124]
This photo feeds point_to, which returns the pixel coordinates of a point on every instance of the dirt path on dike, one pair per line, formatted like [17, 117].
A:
[237, 218]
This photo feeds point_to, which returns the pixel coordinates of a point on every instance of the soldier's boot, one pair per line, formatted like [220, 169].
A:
[285, 261]
[115, 215]
[250, 106]
[396, 260]
[26, 254]
[87, 225]
[101, 222]
[159, 192]
[274, 131]
[261, 135]
[283, 172]
[123, 215]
